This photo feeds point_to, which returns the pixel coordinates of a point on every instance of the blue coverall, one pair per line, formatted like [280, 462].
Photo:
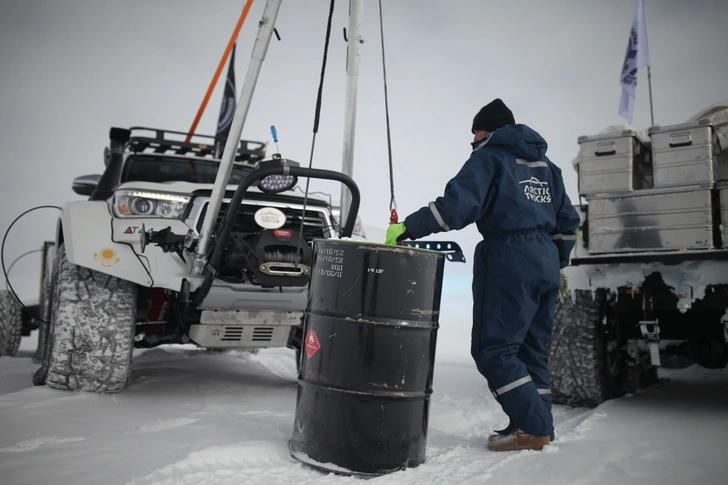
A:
[516, 196]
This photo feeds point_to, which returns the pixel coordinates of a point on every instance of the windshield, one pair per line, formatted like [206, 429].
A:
[158, 168]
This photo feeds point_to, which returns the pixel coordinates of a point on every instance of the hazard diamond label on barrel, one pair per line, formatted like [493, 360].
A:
[312, 343]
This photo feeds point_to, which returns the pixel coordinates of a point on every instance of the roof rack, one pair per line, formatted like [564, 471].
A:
[167, 141]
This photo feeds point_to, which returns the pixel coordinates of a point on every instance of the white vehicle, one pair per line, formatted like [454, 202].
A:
[120, 274]
[174, 246]
[653, 257]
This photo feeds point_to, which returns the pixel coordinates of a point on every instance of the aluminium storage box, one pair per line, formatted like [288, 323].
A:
[612, 163]
[686, 154]
[723, 198]
[654, 220]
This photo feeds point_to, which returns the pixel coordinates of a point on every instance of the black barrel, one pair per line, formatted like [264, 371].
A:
[365, 376]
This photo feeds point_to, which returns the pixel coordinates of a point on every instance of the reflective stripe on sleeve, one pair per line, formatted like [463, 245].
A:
[513, 385]
[438, 217]
[564, 237]
[544, 391]
[520, 161]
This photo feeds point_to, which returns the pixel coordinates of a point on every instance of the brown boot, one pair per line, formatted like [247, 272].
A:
[517, 440]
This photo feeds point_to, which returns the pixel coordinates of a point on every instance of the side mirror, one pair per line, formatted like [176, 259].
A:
[85, 184]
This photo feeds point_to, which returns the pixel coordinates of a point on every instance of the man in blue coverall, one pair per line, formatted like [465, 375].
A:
[516, 196]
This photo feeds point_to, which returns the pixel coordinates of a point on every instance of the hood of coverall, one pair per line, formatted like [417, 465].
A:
[520, 140]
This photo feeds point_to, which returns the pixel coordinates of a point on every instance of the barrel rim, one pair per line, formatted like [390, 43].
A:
[381, 395]
[391, 247]
[339, 470]
[432, 324]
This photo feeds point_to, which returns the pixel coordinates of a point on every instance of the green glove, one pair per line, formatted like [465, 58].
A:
[395, 233]
[564, 286]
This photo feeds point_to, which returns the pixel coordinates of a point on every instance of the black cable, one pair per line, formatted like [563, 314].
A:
[328, 196]
[282, 255]
[316, 119]
[323, 70]
[392, 201]
[27, 253]
[7, 284]
[2, 255]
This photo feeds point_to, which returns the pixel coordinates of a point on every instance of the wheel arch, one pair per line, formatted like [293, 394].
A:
[85, 229]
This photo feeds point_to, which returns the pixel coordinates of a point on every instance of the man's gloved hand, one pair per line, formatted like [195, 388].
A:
[396, 233]
[564, 286]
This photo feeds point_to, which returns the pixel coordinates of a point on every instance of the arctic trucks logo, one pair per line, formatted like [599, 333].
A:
[536, 191]
[270, 218]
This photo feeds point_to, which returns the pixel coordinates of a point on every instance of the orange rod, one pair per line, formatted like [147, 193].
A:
[220, 66]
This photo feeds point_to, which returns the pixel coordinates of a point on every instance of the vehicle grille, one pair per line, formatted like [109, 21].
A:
[314, 225]
[235, 334]
[262, 334]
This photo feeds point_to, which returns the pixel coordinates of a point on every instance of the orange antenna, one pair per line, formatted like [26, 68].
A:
[220, 66]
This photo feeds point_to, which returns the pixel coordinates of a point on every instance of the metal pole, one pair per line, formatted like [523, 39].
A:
[260, 48]
[355, 40]
[649, 83]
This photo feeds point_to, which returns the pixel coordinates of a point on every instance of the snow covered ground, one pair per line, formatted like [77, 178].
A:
[197, 417]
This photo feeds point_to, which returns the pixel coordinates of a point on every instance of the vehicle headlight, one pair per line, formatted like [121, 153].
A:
[137, 203]
[273, 184]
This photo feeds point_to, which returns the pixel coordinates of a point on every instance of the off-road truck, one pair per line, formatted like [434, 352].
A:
[121, 272]
[652, 257]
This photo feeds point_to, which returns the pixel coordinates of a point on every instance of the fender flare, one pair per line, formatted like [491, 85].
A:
[86, 230]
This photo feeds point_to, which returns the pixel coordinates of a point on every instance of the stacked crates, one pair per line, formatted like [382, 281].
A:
[687, 154]
[665, 195]
[613, 163]
[722, 189]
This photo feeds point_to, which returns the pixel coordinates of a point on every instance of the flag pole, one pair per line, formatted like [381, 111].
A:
[649, 84]
[220, 67]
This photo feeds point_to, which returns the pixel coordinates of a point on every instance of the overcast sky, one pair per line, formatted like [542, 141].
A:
[71, 69]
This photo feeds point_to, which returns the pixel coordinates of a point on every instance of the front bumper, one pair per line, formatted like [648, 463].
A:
[246, 296]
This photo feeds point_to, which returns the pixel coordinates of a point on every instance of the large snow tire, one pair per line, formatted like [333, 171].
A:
[91, 334]
[589, 363]
[11, 324]
[578, 352]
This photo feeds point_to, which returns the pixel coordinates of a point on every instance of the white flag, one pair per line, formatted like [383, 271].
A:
[637, 56]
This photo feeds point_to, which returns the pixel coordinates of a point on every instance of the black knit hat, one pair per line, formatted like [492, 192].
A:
[492, 116]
